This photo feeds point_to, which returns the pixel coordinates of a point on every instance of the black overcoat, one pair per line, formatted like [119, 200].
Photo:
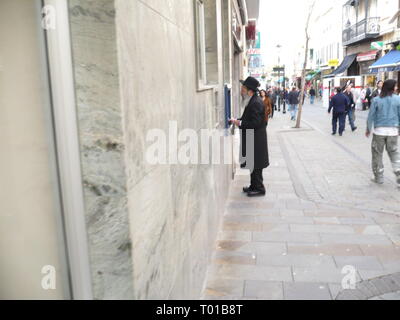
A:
[254, 119]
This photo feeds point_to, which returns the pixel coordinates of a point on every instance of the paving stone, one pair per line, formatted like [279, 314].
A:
[356, 221]
[285, 220]
[223, 288]
[242, 226]
[292, 213]
[326, 275]
[391, 296]
[355, 239]
[235, 235]
[306, 291]
[296, 260]
[325, 249]
[264, 290]
[231, 257]
[286, 236]
[368, 288]
[322, 229]
[327, 220]
[382, 286]
[274, 227]
[255, 273]
[369, 230]
[365, 263]
[334, 289]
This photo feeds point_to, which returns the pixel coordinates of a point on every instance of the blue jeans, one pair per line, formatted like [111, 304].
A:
[312, 99]
[293, 110]
[351, 119]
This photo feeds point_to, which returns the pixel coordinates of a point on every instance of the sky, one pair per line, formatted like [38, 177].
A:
[282, 22]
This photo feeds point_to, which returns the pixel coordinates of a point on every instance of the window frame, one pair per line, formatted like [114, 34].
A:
[200, 47]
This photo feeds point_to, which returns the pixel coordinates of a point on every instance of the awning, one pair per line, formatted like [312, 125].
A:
[347, 62]
[312, 75]
[367, 56]
[388, 62]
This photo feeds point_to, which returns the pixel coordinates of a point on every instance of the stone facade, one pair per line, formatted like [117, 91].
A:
[151, 227]
[94, 49]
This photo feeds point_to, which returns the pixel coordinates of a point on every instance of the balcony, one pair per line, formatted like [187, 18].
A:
[365, 29]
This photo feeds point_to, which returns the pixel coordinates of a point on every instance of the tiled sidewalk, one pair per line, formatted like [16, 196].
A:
[287, 247]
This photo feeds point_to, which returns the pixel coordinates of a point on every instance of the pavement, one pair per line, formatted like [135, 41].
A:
[322, 226]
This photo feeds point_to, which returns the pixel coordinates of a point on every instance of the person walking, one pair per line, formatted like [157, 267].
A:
[384, 116]
[312, 93]
[351, 107]
[270, 96]
[339, 103]
[254, 155]
[284, 98]
[378, 90]
[368, 94]
[267, 105]
[293, 100]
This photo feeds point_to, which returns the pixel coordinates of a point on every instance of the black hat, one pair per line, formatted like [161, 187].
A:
[251, 83]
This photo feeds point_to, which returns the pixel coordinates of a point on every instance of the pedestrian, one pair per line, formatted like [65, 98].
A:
[368, 96]
[284, 98]
[274, 96]
[267, 104]
[339, 103]
[384, 116]
[312, 93]
[363, 98]
[293, 101]
[278, 95]
[378, 90]
[270, 95]
[254, 153]
[350, 107]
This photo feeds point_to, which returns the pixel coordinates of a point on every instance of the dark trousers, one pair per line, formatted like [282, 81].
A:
[284, 106]
[279, 104]
[273, 111]
[257, 180]
[341, 117]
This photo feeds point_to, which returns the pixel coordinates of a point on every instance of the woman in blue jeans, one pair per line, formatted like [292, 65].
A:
[384, 116]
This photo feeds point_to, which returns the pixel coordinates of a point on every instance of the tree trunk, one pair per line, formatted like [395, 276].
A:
[303, 73]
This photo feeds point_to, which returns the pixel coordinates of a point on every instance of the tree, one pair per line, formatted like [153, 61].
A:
[303, 73]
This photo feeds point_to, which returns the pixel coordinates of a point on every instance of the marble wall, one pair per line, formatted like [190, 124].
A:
[174, 210]
[102, 146]
[151, 228]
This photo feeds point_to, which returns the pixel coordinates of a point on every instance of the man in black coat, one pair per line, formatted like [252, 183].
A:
[254, 145]
[339, 103]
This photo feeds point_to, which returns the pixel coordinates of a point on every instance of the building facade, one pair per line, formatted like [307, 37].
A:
[92, 218]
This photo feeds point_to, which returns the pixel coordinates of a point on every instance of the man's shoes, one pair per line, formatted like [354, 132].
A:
[341, 134]
[246, 189]
[334, 133]
[254, 193]
[354, 129]
[378, 180]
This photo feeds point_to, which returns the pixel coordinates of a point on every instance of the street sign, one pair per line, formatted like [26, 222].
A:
[279, 69]
[378, 45]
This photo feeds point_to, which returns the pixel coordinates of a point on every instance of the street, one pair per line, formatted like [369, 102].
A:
[321, 214]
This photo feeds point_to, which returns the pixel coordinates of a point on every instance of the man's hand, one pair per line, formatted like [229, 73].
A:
[235, 122]
[367, 134]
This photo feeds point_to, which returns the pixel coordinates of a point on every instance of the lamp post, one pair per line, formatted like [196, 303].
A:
[279, 62]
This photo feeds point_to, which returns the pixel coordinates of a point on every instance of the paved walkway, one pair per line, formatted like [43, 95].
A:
[321, 214]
